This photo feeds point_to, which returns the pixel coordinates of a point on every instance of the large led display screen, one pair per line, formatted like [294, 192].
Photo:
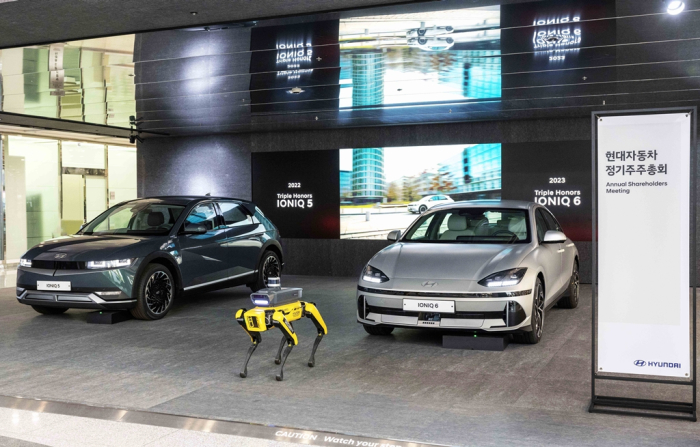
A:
[364, 193]
[378, 185]
[366, 59]
[420, 57]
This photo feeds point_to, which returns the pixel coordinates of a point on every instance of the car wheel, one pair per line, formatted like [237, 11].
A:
[536, 319]
[570, 301]
[155, 293]
[270, 267]
[422, 209]
[49, 310]
[378, 330]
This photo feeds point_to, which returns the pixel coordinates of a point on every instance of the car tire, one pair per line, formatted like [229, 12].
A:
[422, 209]
[155, 293]
[570, 299]
[46, 310]
[536, 319]
[269, 264]
[378, 330]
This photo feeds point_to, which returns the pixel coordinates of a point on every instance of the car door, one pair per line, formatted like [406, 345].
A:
[566, 253]
[204, 256]
[244, 237]
[549, 258]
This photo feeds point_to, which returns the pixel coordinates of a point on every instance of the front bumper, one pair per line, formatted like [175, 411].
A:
[491, 312]
[116, 286]
[72, 300]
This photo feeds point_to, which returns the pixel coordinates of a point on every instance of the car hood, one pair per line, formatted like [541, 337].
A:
[94, 248]
[413, 260]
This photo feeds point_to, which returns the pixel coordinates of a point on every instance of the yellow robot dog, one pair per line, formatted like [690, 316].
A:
[278, 307]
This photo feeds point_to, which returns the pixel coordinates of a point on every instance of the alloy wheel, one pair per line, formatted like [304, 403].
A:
[539, 310]
[271, 268]
[159, 292]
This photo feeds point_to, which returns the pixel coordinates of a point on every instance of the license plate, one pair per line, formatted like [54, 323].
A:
[439, 306]
[61, 286]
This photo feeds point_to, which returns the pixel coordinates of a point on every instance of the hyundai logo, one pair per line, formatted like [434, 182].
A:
[60, 256]
[640, 363]
[429, 284]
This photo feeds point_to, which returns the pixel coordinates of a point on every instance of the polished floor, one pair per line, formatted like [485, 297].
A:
[21, 428]
[404, 387]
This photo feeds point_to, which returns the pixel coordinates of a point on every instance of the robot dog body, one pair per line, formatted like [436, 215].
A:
[278, 307]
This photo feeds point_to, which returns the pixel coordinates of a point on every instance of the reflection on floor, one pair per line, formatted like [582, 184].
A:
[31, 429]
[405, 386]
[8, 277]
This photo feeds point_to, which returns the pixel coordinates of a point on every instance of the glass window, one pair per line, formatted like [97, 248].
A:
[471, 225]
[203, 214]
[234, 214]
[139, 217]
[541, 225]
[552, 223]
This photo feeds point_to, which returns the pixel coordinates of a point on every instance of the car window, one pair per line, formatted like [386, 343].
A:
[203, 214]
[422, 229]
[552, 223]
[471, 225]
[541, 225]
[140, 217]
[234, 214]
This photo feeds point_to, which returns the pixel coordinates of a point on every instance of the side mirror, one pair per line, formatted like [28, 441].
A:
[554, 237]
[195, 229]
[394, 235]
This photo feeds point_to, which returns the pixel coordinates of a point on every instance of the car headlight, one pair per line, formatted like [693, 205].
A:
[372, 274]
[505, 278]
[95, 265]
[25, 262]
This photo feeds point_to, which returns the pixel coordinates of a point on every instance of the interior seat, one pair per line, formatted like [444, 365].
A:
[456, 226]
[518, 226]
[155, 219]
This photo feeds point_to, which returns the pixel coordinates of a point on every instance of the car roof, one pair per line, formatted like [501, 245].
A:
[184, 200]
[495, 203]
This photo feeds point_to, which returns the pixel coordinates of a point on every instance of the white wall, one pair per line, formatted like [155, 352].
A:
[121, 174]
[42, 186]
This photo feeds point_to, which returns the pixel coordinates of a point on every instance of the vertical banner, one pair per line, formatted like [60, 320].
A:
[643, 222]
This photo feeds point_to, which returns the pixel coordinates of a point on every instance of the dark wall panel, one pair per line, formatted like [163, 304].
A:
[216, 164]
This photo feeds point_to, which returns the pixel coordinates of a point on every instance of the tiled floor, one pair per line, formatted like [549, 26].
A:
[405, 386]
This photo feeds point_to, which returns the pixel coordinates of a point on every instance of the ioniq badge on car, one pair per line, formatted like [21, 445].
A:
[492, 266]
[139, 255]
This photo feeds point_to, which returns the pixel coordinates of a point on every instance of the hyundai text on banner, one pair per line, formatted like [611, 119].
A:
[643, 180]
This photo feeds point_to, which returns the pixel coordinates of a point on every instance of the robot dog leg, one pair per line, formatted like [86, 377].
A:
[311, 312]
[279, 320]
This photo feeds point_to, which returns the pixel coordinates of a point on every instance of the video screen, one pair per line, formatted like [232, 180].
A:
[419, 57]
[385, 189]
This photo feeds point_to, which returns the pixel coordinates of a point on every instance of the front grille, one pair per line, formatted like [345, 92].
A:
[58, 265]
[457, 315]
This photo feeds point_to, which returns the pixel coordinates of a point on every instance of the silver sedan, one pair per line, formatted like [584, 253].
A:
[492, 266]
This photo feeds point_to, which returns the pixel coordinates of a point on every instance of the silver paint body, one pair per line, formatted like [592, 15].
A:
[457, 268]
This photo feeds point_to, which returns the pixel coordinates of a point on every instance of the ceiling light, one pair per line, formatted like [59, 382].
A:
[194, 13]
[675, 7]
[296, 90]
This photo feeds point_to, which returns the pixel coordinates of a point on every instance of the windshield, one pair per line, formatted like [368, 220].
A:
[471, 226]
[145, 218]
